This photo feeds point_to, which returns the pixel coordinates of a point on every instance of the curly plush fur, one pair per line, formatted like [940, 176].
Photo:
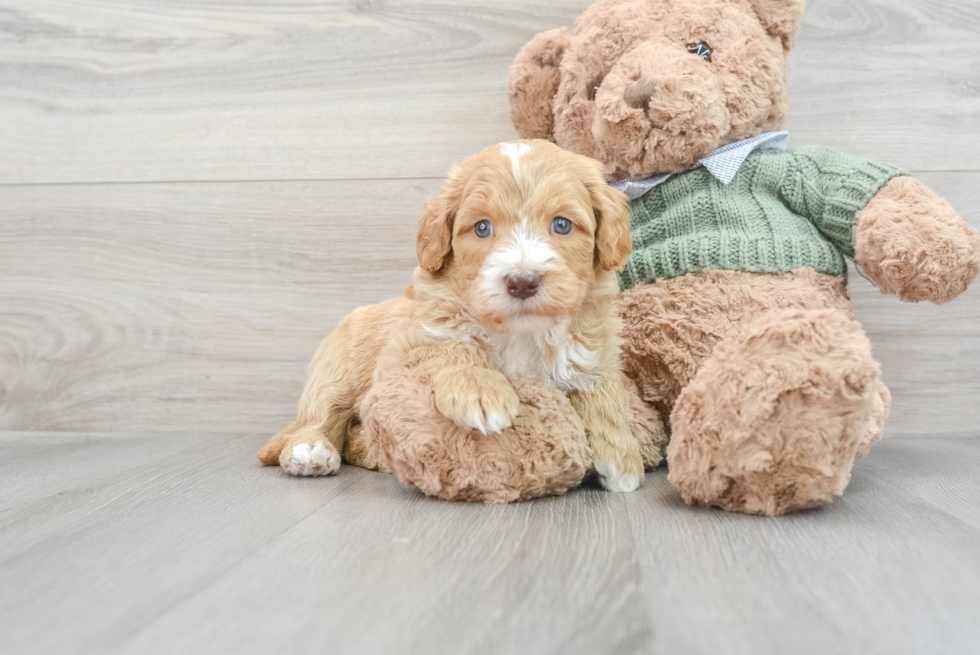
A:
[544, 453]
[775, 417]
[767, 378]
[914, 244]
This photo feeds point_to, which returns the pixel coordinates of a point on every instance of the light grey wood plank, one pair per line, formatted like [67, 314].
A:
[877, 571]
[944, 473]
[849, 90]
[236, 90]
[40, 464]
[153, 307]
[202, 550]
[336, 239]
[115, 568]
[167, 307]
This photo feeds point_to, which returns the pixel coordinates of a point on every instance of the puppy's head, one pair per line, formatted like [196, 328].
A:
[522, 232]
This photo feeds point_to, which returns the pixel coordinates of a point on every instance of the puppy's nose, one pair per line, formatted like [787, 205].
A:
[523, 285]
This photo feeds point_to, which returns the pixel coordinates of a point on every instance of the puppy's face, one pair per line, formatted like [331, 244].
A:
[520, 232]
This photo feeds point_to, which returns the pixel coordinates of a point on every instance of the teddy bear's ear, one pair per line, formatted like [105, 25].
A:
[781, 18]
[613, 242]
[533, 83]
[435, 237]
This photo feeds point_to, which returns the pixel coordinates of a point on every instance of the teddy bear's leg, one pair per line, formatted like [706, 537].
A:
[776, 416]
[876, 426]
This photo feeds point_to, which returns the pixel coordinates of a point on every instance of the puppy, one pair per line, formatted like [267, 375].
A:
[517, 256]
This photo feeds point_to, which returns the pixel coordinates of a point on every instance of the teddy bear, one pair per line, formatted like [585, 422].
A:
[738, 329]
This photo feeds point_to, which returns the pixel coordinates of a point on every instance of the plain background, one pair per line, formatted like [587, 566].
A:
[193, 193]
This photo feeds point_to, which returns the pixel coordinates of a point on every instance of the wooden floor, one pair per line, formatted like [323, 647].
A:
[183, 544]
[194, 192]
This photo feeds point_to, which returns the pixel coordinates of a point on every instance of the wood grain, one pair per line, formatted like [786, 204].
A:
[163, 307]
[113, 91]
[185, 544]
[878, 571]
[194, 192]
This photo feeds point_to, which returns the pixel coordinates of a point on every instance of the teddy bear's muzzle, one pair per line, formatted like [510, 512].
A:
[662, 117]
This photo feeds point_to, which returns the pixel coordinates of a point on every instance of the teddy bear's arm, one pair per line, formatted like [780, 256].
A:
[829, 188]
[914, 244]
[909, 240]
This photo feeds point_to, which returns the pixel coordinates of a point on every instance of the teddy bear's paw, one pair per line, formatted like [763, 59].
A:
[304, 460]
[914, 244]
[619, 477]
[476, 399]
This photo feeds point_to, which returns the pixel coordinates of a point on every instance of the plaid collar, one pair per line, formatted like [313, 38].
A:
[723, 163]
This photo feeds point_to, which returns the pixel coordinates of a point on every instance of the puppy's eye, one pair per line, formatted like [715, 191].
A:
[561, 225]
[484, 229]
[702, 50]
[594, 89]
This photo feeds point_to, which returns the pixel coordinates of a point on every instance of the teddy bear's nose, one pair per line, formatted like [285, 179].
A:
[639, 93]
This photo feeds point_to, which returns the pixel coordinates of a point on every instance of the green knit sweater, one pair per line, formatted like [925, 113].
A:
[784, 210]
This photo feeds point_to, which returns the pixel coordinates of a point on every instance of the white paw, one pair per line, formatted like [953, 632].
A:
[489, 423]
[307, 461]
[612, 480]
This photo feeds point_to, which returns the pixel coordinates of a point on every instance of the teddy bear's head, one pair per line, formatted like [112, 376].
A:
[652, 86]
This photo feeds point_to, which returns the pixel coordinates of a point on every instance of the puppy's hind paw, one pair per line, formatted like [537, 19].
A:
[612, 479]
[304, 460]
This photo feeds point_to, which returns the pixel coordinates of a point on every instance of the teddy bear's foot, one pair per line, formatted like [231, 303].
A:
[545, 451]
[775, 418]
[880, 407]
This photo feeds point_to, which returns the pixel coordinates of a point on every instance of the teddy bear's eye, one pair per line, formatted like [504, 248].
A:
[594, 88]
[702, 50]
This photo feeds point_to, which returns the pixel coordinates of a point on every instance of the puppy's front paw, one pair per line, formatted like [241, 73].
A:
[620, 477]
[476, 399]
[305, 460]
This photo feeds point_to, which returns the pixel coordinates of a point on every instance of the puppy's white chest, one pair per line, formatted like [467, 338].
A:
[553, 357]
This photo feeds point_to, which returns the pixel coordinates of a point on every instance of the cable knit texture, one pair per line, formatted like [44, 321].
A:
[783, 211]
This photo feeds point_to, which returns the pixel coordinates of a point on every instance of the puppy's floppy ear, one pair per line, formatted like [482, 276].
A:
[613, 242]
[781, 18]
[533, 83]
[435, 237]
